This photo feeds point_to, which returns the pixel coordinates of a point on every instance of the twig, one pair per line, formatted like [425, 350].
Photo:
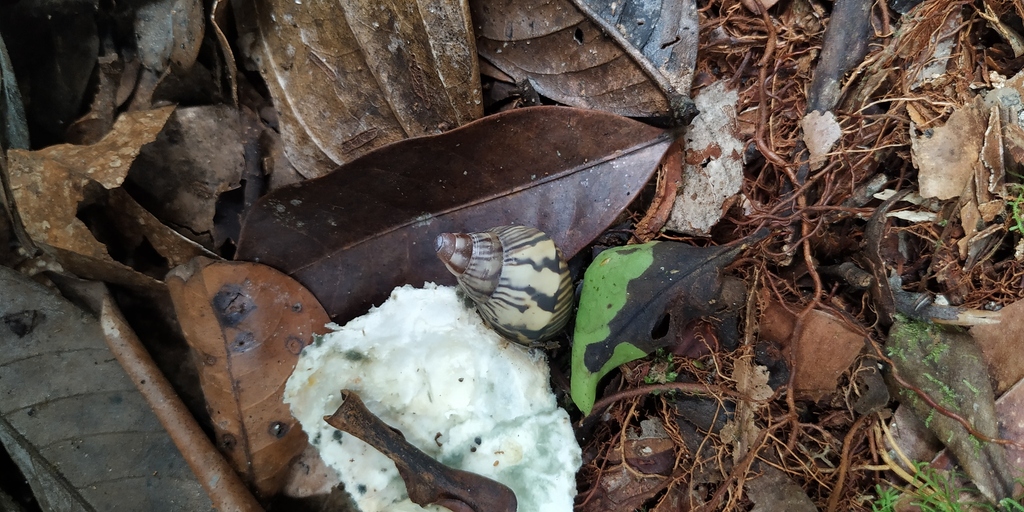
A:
[844, 464]
[222, 484]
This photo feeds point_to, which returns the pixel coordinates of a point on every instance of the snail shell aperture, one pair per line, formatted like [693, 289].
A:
[515, 275]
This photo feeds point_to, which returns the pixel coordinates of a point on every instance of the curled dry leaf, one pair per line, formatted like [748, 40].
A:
[427, 480]
[59, 189]
[247, 324]
[167, 32]
[376, 73]
[627, 58]
[355, 234]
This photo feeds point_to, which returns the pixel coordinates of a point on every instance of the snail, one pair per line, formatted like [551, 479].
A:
[516, 276]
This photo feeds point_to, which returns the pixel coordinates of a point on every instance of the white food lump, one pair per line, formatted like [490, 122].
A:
[426, 364]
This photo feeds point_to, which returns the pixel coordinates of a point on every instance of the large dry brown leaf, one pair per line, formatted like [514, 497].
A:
[353, 235]
[351, 76]
[247, 324]
[634, 58]
[1001, 343]
[76, 424]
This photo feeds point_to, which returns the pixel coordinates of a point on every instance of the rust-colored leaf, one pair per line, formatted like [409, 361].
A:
[633, 58]
[247, 324]
[351, 76]
[427, 480]
[353, 235]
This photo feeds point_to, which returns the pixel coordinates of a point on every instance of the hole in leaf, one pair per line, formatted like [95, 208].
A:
[670, 43]
[578, 36]
[661, 328]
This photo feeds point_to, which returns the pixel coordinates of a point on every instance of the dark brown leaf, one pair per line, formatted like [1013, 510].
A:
[247, 324]
[352, 76]
[53, 47]
[660, 37]
[427, 480]
[353, 235]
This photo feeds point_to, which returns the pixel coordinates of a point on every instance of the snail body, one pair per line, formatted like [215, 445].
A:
[516, 276]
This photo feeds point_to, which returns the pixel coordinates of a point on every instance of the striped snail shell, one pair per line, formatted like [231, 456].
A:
[515, 275]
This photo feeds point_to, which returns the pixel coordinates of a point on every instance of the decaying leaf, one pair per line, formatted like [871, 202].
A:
[661, 38]
[946, 155]
[66, 193]
[247, 324]
[948, 367]
[821, 131]
[74, 410]
[355, 234]
[374, 74]
[632, 58]
[774, 491]
[427, 480]
[824, 349]
[627, 483]
[713, 167]
[637, 298]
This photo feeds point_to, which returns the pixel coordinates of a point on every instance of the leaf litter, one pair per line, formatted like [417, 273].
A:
[830, 109]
